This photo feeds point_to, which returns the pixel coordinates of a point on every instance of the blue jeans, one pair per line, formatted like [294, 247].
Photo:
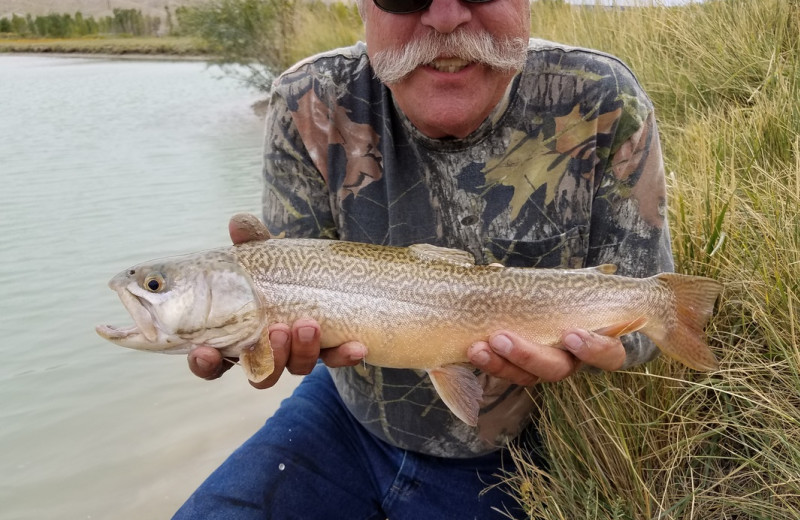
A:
[312, 460]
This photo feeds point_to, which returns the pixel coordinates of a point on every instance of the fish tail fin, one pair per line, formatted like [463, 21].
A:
[257, 360]
[681, 332]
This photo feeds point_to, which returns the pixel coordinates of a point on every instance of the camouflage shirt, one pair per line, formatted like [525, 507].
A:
[566, 172]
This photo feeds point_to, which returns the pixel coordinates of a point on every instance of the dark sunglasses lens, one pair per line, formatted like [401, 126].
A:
[402, 6]
[411, 6]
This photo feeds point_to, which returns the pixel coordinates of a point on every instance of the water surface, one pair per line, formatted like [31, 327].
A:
[104, 164]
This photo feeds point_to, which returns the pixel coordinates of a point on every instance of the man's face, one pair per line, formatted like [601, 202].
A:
[446, 95]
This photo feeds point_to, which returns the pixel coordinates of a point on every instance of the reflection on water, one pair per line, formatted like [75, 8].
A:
[104, 164]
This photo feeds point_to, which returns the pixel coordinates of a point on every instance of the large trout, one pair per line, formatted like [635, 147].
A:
[417, 307]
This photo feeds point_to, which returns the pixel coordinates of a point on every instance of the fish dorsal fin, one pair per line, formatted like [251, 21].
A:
[256, 360]
[595, 269]
[431, 253]
[249, 225]
[460, 390]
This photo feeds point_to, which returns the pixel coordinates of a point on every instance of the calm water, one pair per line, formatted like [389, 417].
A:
[104, 164]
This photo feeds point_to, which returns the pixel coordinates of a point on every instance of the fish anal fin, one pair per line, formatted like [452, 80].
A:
[620, 329]
[460, 390]
[257, 360]
[431, 253]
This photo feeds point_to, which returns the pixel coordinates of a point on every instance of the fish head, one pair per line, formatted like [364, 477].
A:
[181, 302]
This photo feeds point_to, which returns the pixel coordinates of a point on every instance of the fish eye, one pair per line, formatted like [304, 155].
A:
[154, 283]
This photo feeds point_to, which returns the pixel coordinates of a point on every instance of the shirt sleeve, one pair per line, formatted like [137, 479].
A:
[629, 219]
[296, 198]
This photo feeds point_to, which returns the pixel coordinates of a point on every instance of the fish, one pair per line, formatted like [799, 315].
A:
[416, 307]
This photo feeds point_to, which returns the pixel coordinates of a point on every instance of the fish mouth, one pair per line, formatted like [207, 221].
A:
[140, 313]
[132, 337]
[144, 335]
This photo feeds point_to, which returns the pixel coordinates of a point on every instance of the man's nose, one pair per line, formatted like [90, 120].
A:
[445, 16]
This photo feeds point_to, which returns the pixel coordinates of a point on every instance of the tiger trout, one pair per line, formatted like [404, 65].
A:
[417, 307]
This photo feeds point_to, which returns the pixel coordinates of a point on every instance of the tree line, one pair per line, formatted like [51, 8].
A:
[121, 22]
[256, 38]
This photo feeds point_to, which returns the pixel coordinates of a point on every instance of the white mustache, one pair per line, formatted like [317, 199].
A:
[392, 65]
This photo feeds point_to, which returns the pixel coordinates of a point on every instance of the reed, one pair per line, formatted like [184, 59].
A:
[660, 441]
[324, 27]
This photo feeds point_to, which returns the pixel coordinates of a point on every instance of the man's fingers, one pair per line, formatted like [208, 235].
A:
[603, 352]
[207, 362]
[280, 342]
[244, 227]
[482, 356]
[346, 355]
[304, 347]
[545, 362]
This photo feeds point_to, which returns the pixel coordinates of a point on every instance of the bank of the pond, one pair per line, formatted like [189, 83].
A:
[182, 47]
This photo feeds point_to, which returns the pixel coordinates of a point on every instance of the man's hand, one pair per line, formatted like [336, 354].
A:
[294, 348]
[509, 356]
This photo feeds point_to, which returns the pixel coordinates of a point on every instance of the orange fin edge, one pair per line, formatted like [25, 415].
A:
[620, 329]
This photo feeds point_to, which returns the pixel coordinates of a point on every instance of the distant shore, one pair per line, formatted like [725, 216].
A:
[133, 47]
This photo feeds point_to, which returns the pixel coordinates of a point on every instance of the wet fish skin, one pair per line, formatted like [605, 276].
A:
[419, 307]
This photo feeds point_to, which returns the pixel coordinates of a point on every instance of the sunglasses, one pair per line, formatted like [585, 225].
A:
[411, 6]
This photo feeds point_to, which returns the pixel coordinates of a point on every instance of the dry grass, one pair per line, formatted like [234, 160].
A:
[661, 441]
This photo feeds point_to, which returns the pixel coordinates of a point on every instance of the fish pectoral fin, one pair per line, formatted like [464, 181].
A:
[460, 390]
[430, 253]
[620, 329]
[256, 360]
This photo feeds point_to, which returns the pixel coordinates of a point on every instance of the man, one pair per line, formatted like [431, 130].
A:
[449, 127]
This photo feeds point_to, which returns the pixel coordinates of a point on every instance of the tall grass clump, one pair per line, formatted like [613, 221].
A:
[322, 27]
[661, 441]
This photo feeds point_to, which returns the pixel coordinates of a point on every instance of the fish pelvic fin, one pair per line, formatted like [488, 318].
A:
[460, 390]
[257, 360]
[684, 337]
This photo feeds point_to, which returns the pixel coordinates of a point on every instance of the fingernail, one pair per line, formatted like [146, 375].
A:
[500, 344]
[202, 364]
[573, 342]
[481, 358]
[359, 354]
[306, 334]
[278, 337]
